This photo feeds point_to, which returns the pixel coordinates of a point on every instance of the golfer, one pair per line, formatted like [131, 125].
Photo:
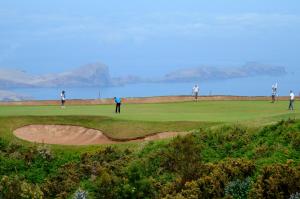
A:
[273, 93]
[196, 91]
[292, 99]
[63, 98]
[118, 104]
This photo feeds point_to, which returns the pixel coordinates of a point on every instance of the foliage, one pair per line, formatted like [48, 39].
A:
[277, 181]
[16, 187]
[238, 189]
[209, 163]
[183, 156]
[80, 194]
[295, 196]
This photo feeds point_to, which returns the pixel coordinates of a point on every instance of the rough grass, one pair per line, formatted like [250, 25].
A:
[120, 129]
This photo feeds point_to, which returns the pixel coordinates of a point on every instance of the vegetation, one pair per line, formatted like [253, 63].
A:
[226, 161]
[235, 150]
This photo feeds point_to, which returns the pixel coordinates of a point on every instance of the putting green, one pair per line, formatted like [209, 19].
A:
[211, 111]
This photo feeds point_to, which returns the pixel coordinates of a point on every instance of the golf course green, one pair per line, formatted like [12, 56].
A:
[212, 111]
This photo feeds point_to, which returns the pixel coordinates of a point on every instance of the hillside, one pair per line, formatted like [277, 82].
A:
[229, 161]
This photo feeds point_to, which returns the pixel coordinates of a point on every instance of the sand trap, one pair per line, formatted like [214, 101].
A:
[75, 135]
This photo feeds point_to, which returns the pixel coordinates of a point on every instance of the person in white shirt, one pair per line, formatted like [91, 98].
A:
[273, 93]
[292, 99]
[196, 91]
[63, 99]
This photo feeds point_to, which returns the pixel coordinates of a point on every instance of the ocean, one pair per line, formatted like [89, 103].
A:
[259, 86]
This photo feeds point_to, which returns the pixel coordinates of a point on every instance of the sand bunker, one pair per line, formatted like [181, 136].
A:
[75, 135]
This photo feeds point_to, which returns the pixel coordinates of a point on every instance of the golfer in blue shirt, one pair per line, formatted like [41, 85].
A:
[118, 104]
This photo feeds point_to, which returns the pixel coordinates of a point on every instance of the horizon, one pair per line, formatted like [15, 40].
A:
[145, 49]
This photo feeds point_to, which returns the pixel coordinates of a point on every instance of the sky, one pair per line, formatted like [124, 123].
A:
[149, 38]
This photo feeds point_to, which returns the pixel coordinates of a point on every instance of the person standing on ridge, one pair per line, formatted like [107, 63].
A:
[118, 104]
[63, 99]
[196, 92]
[292, 98]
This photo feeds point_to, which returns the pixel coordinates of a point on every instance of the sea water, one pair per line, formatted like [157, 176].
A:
[260, 86]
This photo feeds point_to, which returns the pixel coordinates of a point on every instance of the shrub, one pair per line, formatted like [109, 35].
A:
[3, 144]
[80, 194]
[45, 152]
[105, 186]
[295, 196]
[238, 189]
[295, 141]
[276, 181]
[213, 180]
[15, 187]
[63, 183]
[183, 156]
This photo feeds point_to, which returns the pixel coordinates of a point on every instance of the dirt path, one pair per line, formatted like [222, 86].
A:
[76, 135]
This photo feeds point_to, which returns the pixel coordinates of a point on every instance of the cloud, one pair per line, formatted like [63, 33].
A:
[140, 27]
[206, 73]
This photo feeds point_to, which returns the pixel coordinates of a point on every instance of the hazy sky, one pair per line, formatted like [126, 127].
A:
[146, 37]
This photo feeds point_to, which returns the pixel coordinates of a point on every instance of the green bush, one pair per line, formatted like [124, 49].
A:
[183, 156]
[80, 194]
[238, 189]
[213, 180]
[63, 183]
[295, 196]
[15, 187]
[276, 181]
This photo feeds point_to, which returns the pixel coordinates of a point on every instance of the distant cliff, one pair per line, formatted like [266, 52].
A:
[85, 76]
[12, 96]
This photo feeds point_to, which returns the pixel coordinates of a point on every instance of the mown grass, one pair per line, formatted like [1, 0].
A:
[209, 111]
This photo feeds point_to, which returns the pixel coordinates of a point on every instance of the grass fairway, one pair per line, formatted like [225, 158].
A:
[137, 120]
[208, 111]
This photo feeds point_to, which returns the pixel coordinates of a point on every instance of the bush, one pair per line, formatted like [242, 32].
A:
[80, 194]
[45, 152]
[183, 156]
[105, 186]
[63, 183]
[15, 187]
[277, 181]
[3, 144]
[295, 196]
[295, 141]
[238, 189]
[213, 179]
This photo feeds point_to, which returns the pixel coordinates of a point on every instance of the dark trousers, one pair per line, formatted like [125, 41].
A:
[273, 98]
[118, 107]
[291, 106]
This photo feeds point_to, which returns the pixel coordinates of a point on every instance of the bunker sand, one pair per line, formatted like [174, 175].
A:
[77, 135]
